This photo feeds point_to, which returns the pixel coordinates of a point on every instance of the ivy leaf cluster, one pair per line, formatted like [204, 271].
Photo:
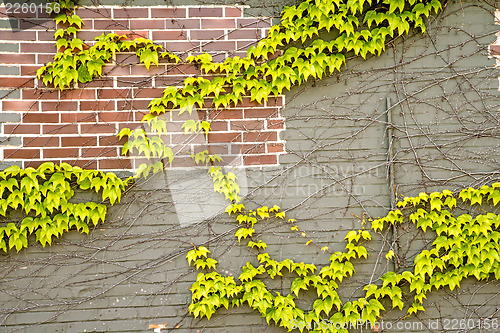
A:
[464, 246]
[77, 62]
[44, 194]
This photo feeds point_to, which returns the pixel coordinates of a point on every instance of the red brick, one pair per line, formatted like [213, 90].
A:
[42, 13]
[168, 12]
[60, 129]
[205, 12]
[247, 125]
[170, 35]
[182, 140]
[275, 147]
[261, 113]
[219, 46]
[147, 24]
[18, 35]
[100, 152]
[21, 129]
[50, 141]
[19, 106]
[79, 94]
[131, 35]
[36, 24]
[220, 56]
[253, 23]
[182, 24]
[275, 123]
[85, 164]
[115, 163]
[38, 48]
[139, 115]
[132, 104]
[78, 141]
[41, 117]
[218, 125]
[243, 45]
[125, 59]
[217, 23]
[40, 94]
[36, 163]
[166, 81]
[148, 92]
[174, 126]
[224, 137]
[245, 34]
[260, 160]
[114, 93]
[117, 69]
[495, 49]
[130, 125]
[73, 117]
[245, 102]
[88, 24]
[98, 83]
[97, 128]
[115, 116]
[46, 36]
[61, 153]
[233, 12]
[182, 46]
[59, 106]
[213, 149]
[183, 162]
[130, 12]
[241, 54]
[111, 24]
[93, 12]
[183, 70]
[260, 136]
[97, 105]
[226, 114]
[206, 34]
[248, 148]
[43, 58]
[21, 153]
[29, 70]
[88, 35]
[142, 81]
[278, 101]
[17, 82]
[142, 70]
[112, 140]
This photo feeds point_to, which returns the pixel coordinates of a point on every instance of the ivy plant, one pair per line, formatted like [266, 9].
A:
[464, 246]
[44, 195]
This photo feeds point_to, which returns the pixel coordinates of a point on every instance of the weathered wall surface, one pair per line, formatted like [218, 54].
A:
[428, 108]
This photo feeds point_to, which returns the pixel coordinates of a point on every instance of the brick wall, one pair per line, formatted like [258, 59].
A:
[79, 126]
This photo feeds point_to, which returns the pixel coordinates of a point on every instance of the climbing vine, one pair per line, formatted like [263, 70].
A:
[362, 28]
[293, 53]
[465, 246]
[44, 195]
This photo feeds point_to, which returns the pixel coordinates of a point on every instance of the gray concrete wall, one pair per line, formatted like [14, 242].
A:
[131, 271]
